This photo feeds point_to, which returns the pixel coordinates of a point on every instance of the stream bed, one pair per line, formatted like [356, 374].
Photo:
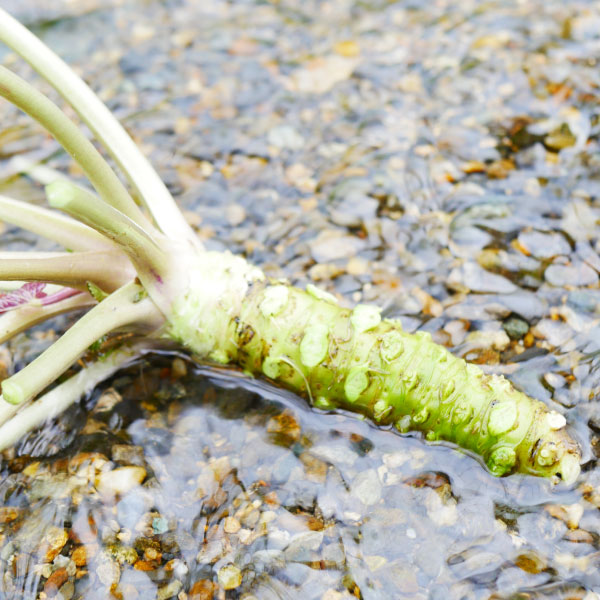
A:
[438, 159]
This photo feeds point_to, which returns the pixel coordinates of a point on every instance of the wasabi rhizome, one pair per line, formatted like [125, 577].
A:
[143, 270]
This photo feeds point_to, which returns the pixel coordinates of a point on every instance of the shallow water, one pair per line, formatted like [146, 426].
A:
[440, 160]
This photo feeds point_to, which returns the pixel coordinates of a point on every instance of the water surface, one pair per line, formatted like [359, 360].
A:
[438, 159]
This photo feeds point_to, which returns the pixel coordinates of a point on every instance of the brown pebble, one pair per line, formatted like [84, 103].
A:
[107, 401]
[568, 513]
[31, 469]
[217, 499]
[427, 479]
[499, 169]
[530, 562]
[125, 591]
[88, 458]
[79, 556]
[285, 424]
[119, 481]
[53, 542]
[315, 523]
[55, 581]
[315, 468]
[430, 306]
[347, 48]
[152, 554]
[202, 590]
[272, 499]
[178, 368]
[220, 468]
[144, 565]
[171, 564]
[8, 514]
[473, 166]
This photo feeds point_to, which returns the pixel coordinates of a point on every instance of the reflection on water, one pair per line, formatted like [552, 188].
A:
[243, 487]
[437, 158]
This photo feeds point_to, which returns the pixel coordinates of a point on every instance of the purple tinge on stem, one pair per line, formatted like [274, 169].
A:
[32, 290]
[60, 295]
[156, 276]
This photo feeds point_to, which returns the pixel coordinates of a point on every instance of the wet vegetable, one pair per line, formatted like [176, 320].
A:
[354, 359]
[150, 276]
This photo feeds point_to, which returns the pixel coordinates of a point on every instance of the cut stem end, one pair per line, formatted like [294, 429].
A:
[12, 392]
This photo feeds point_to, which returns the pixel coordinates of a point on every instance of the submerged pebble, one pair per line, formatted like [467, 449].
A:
[366, 487]
[120, 480]
[230, 577]
[435, 160]
[575, 274]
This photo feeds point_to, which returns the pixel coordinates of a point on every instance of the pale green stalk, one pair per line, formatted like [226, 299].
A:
[150, 260]
[64, 395]
[49, 224]
[33, 169]
[125, 307]
[144, 179]
[106, 269]
[19, 319]
[97, 170]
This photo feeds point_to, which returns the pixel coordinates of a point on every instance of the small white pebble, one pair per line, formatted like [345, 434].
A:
[556, 420]
[245, 536]
[411, 533]
[180, 569]
[231, 525]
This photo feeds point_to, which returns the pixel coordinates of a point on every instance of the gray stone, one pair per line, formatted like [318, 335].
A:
[302, 545]
[285, 136]
[515, 328]
[475, 278]
[575, 274]
[544, 245]
[367, 487]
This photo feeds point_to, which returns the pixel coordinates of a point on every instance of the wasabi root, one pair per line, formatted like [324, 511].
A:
[357, 361]
[143, 271]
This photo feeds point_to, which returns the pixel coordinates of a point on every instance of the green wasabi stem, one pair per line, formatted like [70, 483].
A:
[301, 341]
[22, 318]
[144, 179]
[67, 232]
[316, 292]
[105, 268]
[119, 310]
[96, 292]
[155, 258]
[43, 110]
[14, 426]
[105, 219]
